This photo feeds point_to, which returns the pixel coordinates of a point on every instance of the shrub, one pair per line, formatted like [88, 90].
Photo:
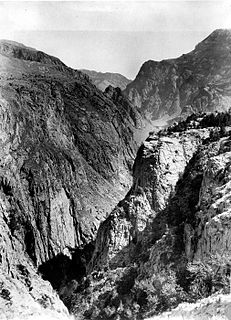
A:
[158, 293]
[203, 280]
[5, 294]
[127, 282]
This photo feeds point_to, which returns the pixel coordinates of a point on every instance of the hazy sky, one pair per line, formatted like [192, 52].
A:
[116, 36]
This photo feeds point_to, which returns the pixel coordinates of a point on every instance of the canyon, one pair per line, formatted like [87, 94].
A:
[66, 157]
[100, 217]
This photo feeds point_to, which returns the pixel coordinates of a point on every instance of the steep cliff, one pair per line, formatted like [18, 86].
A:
[158, 166]
[212, 229]
[152, 251]
[104, 79]
[66, 156]
[196, 81]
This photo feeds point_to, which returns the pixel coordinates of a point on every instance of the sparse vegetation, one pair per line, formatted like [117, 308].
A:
[45, 301]
[201, 120]
[5, 293]
[158, 293]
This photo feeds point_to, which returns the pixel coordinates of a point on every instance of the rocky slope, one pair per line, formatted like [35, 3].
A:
[66, 156]
[196, 81]
[157, 246]
[104, 79]
[217, 307]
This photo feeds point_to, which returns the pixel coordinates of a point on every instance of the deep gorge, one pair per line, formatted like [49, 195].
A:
[116, 225]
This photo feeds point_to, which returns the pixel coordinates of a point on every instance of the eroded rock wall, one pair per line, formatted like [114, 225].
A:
[213, 217]
[176, 214]
[66, 153]
[159, 164]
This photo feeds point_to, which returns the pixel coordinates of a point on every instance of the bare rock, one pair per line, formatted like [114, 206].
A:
[66, 153]
[158, 167]
[213, 231]
[177, 212]
[196, 81]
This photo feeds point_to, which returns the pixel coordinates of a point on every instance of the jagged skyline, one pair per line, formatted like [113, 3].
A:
[112, 36]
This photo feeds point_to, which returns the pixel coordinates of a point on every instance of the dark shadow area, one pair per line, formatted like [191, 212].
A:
[30, 242]
[62, 269]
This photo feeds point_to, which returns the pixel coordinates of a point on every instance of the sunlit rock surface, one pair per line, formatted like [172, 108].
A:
[158, 166]
[217, 307]
[175, 217]
[213, 230]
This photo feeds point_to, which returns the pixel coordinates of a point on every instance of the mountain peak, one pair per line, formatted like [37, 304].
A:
[221, 32]
[11, 43]
[188, 79]
[13, 49]
[104, 79]
[218, 38]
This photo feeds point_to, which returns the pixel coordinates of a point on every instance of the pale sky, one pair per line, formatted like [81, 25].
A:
[115, 36]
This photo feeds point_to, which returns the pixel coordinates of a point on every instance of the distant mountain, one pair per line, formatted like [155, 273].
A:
[197, 81]
[104, 79]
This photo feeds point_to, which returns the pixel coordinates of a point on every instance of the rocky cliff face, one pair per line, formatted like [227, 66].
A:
[213, 217]
[176, 214]
[104, 79]
[158, 166]
[23, 293]
[197, 81]
[66, 156]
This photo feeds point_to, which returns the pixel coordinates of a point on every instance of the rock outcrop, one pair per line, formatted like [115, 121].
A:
[159, 164]
[212, 229]
[154, 249]
[196, 81]
[104, 79]
[66, 156]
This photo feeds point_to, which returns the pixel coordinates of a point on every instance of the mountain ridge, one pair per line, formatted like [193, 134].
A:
[103, 79]
[198, 79]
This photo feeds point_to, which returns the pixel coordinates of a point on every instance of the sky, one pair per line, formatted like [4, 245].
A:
[113, 36]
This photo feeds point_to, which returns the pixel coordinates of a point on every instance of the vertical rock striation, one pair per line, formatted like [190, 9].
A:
[66, 152]
[212, 230]
[159, 164]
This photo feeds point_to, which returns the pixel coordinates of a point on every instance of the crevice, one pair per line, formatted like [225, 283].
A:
[6, 187]
[63, 269]
[29, 240]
